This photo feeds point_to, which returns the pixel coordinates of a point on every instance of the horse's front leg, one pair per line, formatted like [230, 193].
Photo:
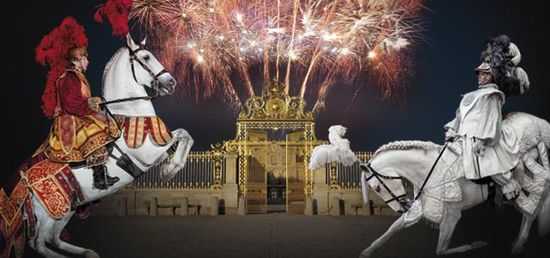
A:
[398, 225]
[446, 229]
[526, 223]
[184, 142]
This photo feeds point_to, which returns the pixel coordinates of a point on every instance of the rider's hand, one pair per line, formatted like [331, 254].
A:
[93, 103]
[479, 147]
[450, 135]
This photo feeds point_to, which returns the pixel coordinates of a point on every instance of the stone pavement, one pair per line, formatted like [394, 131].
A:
[281, 235]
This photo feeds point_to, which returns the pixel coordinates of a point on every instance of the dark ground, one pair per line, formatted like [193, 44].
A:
[281, 235]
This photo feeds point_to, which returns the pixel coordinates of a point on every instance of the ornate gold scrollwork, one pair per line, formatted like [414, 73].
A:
[273, 110]
[275, 104]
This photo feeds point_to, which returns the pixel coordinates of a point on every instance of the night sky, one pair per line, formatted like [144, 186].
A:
[455, 34]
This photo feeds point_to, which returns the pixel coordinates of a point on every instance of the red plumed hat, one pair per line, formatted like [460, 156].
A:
[53, 51]
[116, 12]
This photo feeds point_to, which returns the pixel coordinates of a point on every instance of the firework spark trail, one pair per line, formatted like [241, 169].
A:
[323, 91]
[266, 73]
[350, 103]
[327, 36]
[291, 45]
[309, 44]
[242, 67]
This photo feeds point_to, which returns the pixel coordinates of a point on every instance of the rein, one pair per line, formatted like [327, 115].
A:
[154, 81]
[430, 173]
[378, 176]
[128, 99]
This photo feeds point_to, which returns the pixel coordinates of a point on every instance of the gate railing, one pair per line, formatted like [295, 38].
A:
[339, 176]
[203, 170]
[342, 177]
[207, 170]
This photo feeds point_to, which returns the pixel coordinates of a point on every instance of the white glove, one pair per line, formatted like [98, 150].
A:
[479, 147]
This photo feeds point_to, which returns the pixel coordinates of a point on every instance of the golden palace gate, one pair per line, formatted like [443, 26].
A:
[263, 169]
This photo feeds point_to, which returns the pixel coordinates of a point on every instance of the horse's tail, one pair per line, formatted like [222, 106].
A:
[544, 214]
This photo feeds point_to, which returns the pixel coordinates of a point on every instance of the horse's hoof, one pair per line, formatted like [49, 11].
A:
[165, 173]
[90, 254]
[478, 244]
[365, 254]
[517, 250]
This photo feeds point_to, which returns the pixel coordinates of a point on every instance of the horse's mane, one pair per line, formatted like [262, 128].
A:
[406, 145]
[111, 62]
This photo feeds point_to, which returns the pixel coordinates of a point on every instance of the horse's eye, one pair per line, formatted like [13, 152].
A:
[377, 188]
[146, 57]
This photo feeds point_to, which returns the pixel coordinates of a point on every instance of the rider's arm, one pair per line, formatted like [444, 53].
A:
[73, 99]
[488, 129]
[452, 127]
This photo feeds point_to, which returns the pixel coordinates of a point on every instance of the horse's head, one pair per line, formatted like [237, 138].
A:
[387, 184]
[397, 161]
[147, 70]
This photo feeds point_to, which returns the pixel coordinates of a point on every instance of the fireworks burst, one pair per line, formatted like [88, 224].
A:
[227, 45]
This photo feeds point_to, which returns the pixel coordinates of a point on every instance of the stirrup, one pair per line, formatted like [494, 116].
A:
[102, 180]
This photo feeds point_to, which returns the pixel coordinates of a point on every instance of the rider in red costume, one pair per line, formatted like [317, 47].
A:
[81, 131]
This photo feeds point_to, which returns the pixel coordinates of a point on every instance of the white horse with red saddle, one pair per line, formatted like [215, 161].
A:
[48, 194]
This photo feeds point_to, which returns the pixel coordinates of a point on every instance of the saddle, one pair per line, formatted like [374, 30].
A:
[444, 185]
[52, 184]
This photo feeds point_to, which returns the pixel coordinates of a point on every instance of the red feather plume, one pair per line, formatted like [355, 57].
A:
[53, 51]
[116, 12]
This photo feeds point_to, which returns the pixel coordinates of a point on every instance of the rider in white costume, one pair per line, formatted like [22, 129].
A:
[491, 148]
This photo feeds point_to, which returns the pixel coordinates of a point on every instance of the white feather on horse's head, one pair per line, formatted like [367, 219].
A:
[337, 129]
[336, 134]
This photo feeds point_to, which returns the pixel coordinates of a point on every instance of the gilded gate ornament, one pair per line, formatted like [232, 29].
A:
[274, 104]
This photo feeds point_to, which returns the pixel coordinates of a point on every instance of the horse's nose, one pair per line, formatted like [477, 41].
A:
[171, 86]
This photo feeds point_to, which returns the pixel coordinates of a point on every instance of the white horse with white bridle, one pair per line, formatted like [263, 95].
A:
[130, 70]
[441, 191]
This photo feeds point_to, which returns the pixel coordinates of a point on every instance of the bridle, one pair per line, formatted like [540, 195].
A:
[403, 202]
[394, 198]
[154, 77]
